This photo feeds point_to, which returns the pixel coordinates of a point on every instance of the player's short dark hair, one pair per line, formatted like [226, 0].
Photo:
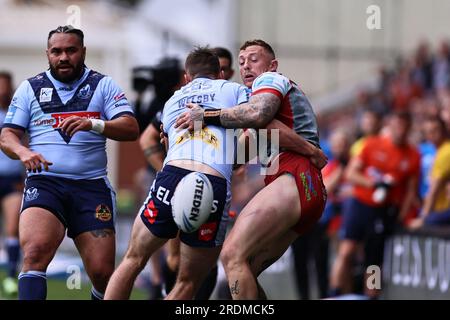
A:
[68, 29]
[223, 53]
[258, 42]
[202, 61]
[6, 75]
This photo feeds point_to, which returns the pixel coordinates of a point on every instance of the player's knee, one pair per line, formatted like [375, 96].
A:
[231, 258]
[135, 259]
[36, 256]
[346, 253]
[186, 282]
[100, 278]
[99, 271]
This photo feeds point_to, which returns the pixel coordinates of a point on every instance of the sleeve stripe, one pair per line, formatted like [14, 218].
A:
[269, 90]
[13, 126]
[124, 113]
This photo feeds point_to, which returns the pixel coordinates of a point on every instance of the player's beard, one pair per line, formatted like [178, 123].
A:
[67, 77]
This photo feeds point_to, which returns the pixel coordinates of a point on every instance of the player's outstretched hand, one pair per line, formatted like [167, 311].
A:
[191, 119]
[73, 124]
[33, 161]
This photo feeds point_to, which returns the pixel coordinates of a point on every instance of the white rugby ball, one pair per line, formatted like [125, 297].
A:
[192, 201]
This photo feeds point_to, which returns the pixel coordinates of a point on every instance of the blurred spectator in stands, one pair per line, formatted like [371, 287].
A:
[384, 79]
[370, 124]
[384, 175]
[441, 68]
[315, 244]
[444, 100]
[427, 152]
[403, 90]
[421, 72]
[436, 206]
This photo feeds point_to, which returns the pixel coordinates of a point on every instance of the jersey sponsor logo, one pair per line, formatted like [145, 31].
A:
[308, 186]
[120, 96]
[85, 92]
[404, 165]
[195, 86]
[121, 104]
[150, 212]
[264, 81]
[205, 135]
[11, 111]
[46, 95]
[207, 231]
[31, 194]
[44, 122]
[103, 213]
[381, 156]
[201, 98]
[59, 117]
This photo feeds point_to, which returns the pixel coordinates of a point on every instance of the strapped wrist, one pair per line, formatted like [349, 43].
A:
[98, 125]
[212, 117]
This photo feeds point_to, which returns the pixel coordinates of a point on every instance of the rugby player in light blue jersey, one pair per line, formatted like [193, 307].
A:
[154, 224]
[68, 112]
[294, 196]
[11, 186]
[211, 152]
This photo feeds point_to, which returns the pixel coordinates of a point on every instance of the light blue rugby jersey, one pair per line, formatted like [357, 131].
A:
[41, 102]
[8, 166]
[212, 146]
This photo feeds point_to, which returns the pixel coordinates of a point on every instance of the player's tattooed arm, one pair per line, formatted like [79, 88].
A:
[256, 113]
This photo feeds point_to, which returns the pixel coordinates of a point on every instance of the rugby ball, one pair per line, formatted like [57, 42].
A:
[192, 201]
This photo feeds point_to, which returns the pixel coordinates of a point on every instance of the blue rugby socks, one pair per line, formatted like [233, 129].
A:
[96, 295]
[32, 285]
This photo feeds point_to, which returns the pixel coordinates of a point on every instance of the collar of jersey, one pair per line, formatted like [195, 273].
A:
[75, 84]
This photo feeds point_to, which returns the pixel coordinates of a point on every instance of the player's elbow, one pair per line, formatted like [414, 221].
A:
[3, 141]
[261, 123]
[132, 130]
[134, 134]
[261, 119]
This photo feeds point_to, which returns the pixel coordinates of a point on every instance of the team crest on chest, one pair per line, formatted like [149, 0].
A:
[85, 92]
[46, 95]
